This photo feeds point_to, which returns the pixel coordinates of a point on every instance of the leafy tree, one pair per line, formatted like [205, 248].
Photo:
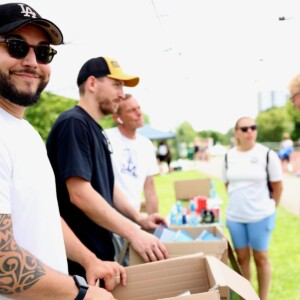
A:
[185, 133]
[218, 137]
[107, 122]
[273, 123]
[43, 114]
[295, 117]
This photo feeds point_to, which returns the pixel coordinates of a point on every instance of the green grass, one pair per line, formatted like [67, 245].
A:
[285, 242]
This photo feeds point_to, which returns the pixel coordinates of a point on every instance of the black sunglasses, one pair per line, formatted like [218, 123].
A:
[245, 128]
[18, 48]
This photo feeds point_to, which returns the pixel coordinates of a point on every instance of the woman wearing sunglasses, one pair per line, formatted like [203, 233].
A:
[249, 168]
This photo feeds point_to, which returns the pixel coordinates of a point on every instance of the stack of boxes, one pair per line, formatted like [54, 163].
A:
[192, 207]
[197, 267]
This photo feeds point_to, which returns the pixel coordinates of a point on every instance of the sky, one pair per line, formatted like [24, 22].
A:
[200, 61]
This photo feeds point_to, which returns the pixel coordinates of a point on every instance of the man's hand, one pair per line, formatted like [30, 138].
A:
[112, 273]
[149, 247]
[152, 221]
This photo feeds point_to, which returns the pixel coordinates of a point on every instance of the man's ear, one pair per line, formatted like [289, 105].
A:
[119, 120]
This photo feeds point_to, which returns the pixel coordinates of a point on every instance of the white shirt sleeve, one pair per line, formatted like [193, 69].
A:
[274, 167]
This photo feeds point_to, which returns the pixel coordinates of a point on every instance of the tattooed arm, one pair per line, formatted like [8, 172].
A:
[23, 276]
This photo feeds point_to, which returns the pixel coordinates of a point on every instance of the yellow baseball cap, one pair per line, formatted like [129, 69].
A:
[105, 66]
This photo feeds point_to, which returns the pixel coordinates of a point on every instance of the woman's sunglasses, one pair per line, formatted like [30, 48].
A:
[18, 48]
[245, 128]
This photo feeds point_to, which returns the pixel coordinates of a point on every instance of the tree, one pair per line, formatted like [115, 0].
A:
[43, 114]
[272, 123]
[295, 117]
[218, 137]
[185, 133]
[107, 122]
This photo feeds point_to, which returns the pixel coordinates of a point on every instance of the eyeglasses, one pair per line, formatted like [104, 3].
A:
[18, 48]
[245, 128]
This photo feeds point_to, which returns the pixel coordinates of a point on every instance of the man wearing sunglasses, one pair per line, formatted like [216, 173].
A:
[34, 240]
[90, 201]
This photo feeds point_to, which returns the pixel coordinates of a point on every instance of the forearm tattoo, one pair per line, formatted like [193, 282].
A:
[19, 270]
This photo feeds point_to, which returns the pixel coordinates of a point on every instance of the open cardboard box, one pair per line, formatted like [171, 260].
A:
[217, 248]
[185, 189]
[205, 277]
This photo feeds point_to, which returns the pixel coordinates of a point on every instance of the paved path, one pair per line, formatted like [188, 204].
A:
[291, 183]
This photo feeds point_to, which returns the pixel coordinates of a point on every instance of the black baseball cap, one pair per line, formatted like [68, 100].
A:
[105, 66]
[16, 15]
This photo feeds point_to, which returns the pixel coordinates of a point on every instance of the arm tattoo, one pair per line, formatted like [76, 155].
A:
[19, 270]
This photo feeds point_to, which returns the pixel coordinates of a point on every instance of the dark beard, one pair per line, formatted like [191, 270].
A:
[9, 92]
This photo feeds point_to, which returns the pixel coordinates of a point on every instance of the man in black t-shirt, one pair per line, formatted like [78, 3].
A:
[89, 201]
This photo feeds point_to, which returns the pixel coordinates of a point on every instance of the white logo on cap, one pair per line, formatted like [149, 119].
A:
[27, 11]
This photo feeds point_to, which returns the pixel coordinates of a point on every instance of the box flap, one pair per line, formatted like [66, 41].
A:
[224, 276]
[176, 249]
[163, 279]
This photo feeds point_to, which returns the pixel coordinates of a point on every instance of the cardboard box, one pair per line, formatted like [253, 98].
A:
[203, 276]
[185, 189]
[217, 248]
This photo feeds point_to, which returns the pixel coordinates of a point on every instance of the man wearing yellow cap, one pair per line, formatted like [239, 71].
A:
[80, 154]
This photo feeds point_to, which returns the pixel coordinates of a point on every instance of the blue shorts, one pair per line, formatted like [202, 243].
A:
[256, 235]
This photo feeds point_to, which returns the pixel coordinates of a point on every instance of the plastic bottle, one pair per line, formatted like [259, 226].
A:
[179, 214]
[173, 220]
[184, 219]
[214, 203]
[212, 193]
[193, 217]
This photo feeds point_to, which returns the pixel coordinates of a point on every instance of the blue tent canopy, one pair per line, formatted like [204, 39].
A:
[155, 134]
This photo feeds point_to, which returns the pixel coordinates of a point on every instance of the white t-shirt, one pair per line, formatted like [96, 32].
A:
[249, 198]
[286, 144]
[133, 161]
[162, 150]
[28, 192]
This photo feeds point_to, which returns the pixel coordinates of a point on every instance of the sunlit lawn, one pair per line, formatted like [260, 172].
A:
[285, 243]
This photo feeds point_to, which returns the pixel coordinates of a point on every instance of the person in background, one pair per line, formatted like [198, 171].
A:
[205, 149]
[80, 153]
[34, 239]
[134, 160]
[250, 215]
[164, 155]
[133, 156]
[285, 151]
[197, 148]
[294, 88]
